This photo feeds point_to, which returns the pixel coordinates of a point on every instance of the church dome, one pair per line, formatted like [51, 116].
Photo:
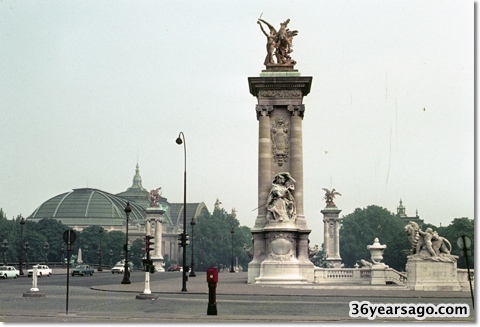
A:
[88, 207]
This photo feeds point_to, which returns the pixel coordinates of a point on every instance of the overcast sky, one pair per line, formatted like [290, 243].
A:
[90, 88]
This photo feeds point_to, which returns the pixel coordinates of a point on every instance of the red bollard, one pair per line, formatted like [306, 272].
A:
[212, 280]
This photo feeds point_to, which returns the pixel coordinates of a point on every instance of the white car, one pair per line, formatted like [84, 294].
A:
[42, 270]
[119, 268]
[8, 271]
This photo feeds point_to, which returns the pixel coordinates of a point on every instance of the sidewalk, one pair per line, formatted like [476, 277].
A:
[236, 284]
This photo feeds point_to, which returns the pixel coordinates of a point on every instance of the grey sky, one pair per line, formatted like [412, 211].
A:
[90, 87]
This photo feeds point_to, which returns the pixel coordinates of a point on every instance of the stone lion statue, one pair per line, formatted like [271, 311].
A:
[428, 244]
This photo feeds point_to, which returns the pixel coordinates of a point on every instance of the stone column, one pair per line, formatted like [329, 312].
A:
[296, 160]
[264, 161]
[155, 214]
[332, 236]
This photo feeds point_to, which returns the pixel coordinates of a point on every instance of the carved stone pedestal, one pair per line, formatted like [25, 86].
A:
[331, 229]
[281, 264]
[428, 275]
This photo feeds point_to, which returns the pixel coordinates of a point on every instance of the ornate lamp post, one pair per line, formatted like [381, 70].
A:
[232, 269]
[192, 272]
[27, 247]
[126, 272]
[184, 235]
[46, 248]
[110, 253]
[20, 257]
[63, 254]
[85, 252]
[100, 231]
[5, 248]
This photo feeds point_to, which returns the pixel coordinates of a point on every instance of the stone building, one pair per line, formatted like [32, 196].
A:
[83, 207]
[401, 213]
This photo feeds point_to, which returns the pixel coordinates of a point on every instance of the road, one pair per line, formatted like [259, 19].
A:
[117, 303]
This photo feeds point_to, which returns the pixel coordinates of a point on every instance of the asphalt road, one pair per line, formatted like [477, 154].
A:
[102, 298]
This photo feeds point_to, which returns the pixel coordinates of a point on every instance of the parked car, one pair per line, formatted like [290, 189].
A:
[8, 272]
[175, 268]
[42, 270]
[82, 270]
[119, 268]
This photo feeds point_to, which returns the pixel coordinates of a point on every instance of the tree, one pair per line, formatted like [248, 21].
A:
[361, 227]
[457, 228]
[213, 241]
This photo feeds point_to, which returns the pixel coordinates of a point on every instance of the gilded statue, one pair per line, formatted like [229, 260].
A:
[279, 44]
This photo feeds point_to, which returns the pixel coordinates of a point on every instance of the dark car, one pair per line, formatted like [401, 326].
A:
[82, 270]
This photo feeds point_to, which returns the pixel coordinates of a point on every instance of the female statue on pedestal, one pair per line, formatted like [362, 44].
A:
[281, 203]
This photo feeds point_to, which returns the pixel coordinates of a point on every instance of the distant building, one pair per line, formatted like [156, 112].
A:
[85, 207]
[401, 213]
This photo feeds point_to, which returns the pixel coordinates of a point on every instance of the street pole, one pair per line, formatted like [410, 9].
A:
[192, 272]
[232, 269]
[126, 272]
[100, 231]
[184, 236]
[20, 264]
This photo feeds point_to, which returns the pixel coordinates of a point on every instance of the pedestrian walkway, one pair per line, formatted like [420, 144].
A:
[236, 284]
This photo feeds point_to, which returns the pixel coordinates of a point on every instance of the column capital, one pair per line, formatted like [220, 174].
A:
[263, 110]
[296, 109]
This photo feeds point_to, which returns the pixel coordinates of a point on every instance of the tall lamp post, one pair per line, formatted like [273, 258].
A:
[27, 247]
[184, 234]
[192, 272]
[46, 248]
[110, 253]
[232, 269]
[126, 272]
[5, 248]
[20, 257]
[85, 252]
[100, 231]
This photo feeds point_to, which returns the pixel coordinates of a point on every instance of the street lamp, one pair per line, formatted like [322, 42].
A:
[27, 247]
[5, 248]
[20, 257]
[63, 255]
[126, 272]
[232, 270]
[100, 231]
[85, 252]
[184, 234]
[111, 255]
[192, 272]
[46, 247]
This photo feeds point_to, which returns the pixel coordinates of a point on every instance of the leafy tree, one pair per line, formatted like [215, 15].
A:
[361, 227]
[457, 228]
[213, 241]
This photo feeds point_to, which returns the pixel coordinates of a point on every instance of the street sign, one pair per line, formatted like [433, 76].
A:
[69, 236]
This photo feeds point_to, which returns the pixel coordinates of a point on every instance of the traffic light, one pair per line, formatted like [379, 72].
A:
[187, 239]
[149, 243]
[180, 240]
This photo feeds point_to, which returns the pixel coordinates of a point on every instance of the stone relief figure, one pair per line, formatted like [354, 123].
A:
[154, 197]
[428, 244]
[280, 140]
[279, 44]
[329, 196]
[281, 203]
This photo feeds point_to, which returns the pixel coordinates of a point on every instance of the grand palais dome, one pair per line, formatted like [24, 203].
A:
[84, 207]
